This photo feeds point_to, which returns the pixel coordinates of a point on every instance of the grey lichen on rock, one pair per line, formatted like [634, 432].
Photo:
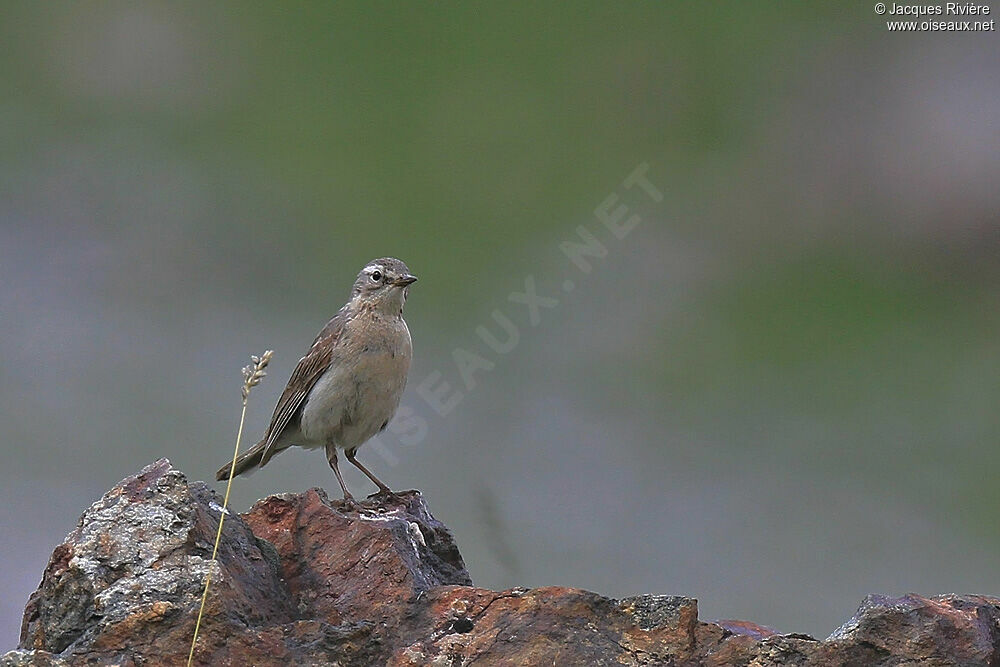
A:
[654, 611]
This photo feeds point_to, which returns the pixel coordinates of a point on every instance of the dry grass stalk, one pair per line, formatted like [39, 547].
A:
[252, 375]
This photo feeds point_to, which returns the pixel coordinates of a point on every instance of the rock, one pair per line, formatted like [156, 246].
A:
[131, 572]
[341, 562]
[944, 630]
[301, 579]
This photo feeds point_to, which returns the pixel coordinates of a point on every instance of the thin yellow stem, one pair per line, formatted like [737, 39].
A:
[218, 533]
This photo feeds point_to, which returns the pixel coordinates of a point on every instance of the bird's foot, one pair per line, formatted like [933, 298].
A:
[385, 493]
[349, 501]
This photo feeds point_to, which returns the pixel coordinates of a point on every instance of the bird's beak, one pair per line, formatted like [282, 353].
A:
[403, 281]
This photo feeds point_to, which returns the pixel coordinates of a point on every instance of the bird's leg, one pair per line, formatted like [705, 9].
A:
[331, 456]
[352, 456]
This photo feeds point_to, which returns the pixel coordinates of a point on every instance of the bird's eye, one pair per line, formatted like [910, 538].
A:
[376, 276]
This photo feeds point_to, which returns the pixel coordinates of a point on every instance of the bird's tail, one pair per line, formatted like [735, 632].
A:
[247, 461]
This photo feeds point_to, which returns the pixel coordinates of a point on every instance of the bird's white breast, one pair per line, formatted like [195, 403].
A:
[361, 389]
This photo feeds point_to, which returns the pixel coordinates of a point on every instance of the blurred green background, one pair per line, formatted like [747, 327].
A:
[777, 394]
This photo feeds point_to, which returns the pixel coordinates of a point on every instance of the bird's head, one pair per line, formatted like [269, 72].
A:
[383, 284]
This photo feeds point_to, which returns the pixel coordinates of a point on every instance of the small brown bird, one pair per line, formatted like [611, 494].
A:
[348, 386]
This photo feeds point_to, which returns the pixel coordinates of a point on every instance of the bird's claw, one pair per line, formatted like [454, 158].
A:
[349, 502]
[385, 494]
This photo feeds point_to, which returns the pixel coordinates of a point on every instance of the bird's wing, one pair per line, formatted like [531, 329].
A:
[309, 369]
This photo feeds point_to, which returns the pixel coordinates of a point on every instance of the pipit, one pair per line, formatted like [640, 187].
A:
[348, 386]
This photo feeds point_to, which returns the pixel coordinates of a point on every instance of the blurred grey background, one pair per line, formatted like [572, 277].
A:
[777, 393]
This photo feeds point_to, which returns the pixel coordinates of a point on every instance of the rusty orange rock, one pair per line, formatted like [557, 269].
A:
[303, 580]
